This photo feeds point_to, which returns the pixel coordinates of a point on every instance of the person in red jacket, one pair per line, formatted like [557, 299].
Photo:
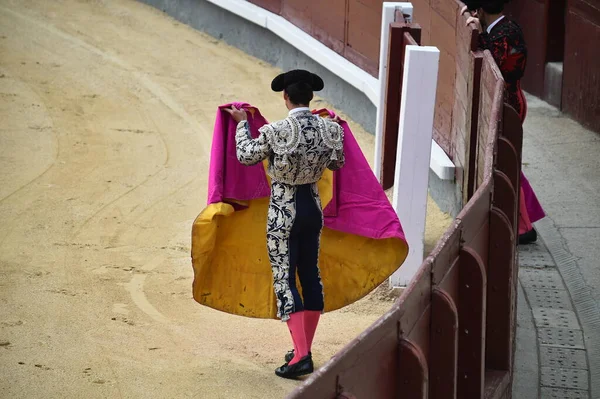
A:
[504, 38]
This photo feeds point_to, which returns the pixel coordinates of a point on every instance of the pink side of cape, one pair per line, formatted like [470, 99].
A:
[534, 209]
[227, 178]
[362, 206]
[359, 205]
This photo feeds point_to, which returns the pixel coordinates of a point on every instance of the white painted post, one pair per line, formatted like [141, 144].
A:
[417, 109]
[387, 17]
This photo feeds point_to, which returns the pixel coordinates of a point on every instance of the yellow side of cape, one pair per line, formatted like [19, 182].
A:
[232, 272]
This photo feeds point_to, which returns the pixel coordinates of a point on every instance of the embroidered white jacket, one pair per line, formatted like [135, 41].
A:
[299, 148]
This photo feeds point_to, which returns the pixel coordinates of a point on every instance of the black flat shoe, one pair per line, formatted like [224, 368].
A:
[528, 237]
[290, 355]
[303, 367]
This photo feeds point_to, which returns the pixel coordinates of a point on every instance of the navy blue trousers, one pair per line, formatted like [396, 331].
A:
[304, 242]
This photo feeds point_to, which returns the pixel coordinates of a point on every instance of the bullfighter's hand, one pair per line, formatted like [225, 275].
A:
[237, 114]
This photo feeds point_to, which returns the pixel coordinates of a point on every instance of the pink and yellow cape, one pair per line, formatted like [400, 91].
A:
[362, 242]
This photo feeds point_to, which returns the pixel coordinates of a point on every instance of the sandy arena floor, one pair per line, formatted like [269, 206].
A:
[107, 110]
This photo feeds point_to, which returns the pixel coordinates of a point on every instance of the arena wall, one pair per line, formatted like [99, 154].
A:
[353, 92]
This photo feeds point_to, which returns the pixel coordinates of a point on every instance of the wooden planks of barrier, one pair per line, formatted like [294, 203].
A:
[451, 333]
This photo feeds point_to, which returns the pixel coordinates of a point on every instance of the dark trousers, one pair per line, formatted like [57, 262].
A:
[304, 243]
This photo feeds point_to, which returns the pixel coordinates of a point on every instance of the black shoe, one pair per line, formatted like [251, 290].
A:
[303, 367]
[528, 237]
[290, 355]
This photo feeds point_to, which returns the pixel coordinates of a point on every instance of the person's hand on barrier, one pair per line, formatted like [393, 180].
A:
[475, 21]
[237, 114]
[466, 9]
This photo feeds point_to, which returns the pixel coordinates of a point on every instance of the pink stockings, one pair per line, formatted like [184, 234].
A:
[296, 327]
[302, 326]
[311, 320]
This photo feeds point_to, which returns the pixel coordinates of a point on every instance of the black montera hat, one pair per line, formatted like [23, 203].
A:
[282, 81]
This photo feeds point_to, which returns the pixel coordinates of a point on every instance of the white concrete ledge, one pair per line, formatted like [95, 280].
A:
[440, 163]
